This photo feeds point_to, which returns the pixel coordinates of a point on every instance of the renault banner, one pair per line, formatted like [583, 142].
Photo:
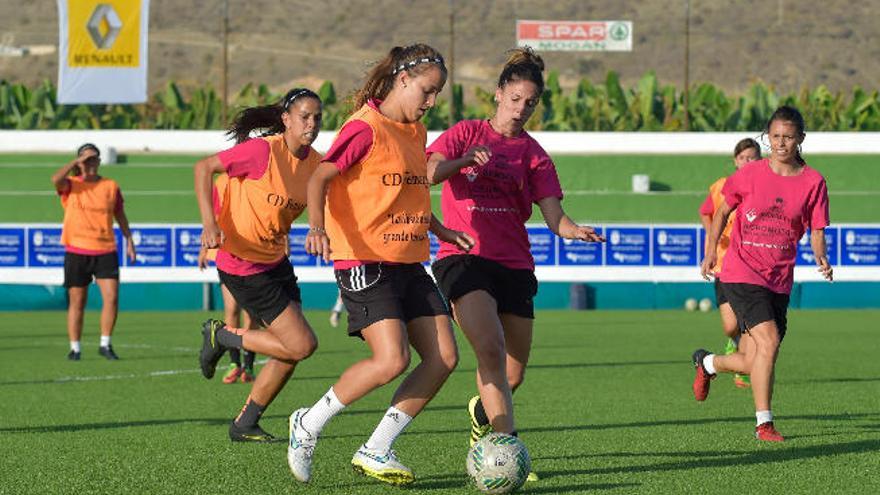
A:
[102, 53]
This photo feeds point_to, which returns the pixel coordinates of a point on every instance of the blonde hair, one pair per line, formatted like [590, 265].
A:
[414, 59]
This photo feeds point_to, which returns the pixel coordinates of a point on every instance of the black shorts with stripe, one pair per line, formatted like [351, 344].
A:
[513, 289]
[264, 295]
[379, 291]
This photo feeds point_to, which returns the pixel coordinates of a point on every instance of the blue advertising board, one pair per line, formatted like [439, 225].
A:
[12, 243]
[628, 246]
[675, 246]
[152, 246]
[805, 248]
[44, 247]
[575, 252]
[543, 243]
[860, 246]
[297, 242]
[187, 243]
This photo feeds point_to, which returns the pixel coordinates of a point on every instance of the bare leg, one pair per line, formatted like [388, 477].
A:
[390, 357]
[289, 338]
[476, 313]
[518, 341]
[434, 341]
[110, 307]
[728, 320]
[77, 297]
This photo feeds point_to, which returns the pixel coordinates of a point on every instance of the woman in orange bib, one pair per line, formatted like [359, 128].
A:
[375, 229]
[265, 192]
[746, 150]
[90, 203]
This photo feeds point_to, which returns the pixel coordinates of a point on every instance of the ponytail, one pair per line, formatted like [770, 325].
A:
[414, 59]
[523, 64]
[267, 117]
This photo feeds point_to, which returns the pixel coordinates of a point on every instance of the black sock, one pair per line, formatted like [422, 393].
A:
[235, 357]
[514, 433]
[228, 339]
[480, 413]
[249, 360]
[250, 414]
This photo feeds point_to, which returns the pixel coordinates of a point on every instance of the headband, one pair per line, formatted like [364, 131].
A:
[412, 63]
[296, 95]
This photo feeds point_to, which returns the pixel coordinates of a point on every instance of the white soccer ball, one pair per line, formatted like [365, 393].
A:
[690, 304]
[705, 304]
[499, 463]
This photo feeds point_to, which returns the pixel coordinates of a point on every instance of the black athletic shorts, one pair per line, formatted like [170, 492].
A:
[379, 291]
[720, 298]
[264, 295]
[513, 290]
[80, 268]
[755, 304]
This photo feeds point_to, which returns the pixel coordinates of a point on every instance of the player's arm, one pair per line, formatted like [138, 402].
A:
[122, 220]
[719, 220]
[563, 226]
[317, 242]
[440, 169]
[59, 178]
[817, 241]
[461, 239]
[203, 180]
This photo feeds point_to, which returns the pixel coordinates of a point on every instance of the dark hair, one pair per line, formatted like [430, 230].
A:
[88, 146]
[266, 117]
[523, 64]
[787, 113]
[414, 59]
[745, 144]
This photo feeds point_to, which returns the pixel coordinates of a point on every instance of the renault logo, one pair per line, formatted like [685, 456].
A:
[104, 26]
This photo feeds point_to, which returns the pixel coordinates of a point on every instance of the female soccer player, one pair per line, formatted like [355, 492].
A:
[232, 313]
[90, 203]
[745, 151]
[265, 193]
[776, 199]
[494, 171]
[376, 231]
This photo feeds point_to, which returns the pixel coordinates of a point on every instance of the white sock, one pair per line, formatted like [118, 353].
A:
[709, 364]
[763, 417]
[320, 413]
[74, 346]
[105, 340]
[391, 426]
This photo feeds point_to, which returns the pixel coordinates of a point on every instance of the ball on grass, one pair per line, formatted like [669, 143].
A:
[705, 304]
[690, 304]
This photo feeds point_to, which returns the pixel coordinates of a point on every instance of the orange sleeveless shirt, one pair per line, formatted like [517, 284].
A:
[255, 215]
[88, 214]
[724, 240]
[380, 208]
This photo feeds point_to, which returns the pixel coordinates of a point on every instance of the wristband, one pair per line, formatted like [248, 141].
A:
[319, 230]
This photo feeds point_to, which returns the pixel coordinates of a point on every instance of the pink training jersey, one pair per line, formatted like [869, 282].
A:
[493, 202]
[773, 212]
[247, 160]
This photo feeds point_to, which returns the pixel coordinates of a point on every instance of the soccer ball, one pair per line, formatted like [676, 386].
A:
[499, 463]
[690, 304]
[705, 304]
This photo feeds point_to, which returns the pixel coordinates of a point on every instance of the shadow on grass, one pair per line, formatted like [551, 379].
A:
[190, 421]
[608, 364]
[770, 454]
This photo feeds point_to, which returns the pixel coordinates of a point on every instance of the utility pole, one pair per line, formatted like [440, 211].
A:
[224, 78]
[450, 66]
[687, 63]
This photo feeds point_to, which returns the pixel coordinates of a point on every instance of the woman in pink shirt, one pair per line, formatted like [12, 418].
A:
[493, 172]
[776, 200]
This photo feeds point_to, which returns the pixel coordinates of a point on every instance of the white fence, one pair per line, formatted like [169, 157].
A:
[206, 142]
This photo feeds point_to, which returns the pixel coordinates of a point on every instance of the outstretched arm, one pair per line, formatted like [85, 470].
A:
[563, 226]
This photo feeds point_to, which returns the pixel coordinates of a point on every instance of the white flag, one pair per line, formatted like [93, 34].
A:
[102, 52]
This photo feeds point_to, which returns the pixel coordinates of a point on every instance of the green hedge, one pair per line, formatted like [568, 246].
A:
[590, 106]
